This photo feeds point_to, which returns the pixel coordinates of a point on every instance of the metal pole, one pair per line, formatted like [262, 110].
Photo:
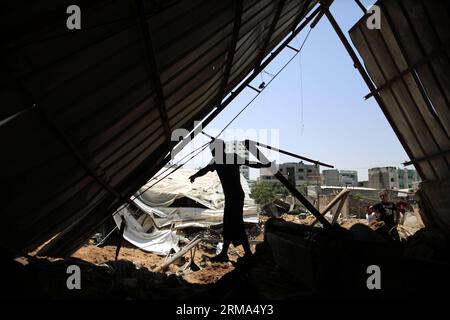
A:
[340, 197]
[292, 189]
[317, 163]
[361, 6]
[339, 209]
[259, 144]
[179, 254]
[302, 199]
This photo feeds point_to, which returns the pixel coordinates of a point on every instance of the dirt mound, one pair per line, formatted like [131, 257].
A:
[208, 273]
[102, 255]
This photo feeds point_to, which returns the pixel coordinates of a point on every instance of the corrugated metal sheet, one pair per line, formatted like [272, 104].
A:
[86, 115]
[408, 61]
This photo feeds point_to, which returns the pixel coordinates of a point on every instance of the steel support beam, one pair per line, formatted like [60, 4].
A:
[153, 68]
[341, 197]
[308, 205]
[272, 27]
[61, 135]
[232, 50]
[316, 162]
[292, 189]
[361, 6]
[426, 158]
[301, 14]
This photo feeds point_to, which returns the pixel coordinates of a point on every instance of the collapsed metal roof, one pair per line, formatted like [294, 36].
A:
[408, 61]
[87, 115]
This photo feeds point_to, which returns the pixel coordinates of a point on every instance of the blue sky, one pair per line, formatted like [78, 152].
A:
[332, 123]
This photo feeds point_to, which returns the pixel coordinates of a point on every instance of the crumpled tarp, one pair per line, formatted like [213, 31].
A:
[154, 230]
[160, 242]
[206, 191]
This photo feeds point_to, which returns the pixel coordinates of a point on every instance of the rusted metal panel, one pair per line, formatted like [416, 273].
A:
[408, 61]
[113, 112]
[412, 92]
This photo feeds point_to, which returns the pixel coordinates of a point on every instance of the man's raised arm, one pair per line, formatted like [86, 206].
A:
[203, 171]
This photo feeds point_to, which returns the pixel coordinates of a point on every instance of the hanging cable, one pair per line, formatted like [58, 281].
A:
[302, 123]
[274, 77]
[268, 73]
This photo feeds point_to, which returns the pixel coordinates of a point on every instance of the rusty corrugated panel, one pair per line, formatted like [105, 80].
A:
[408, 61]
[81, 120]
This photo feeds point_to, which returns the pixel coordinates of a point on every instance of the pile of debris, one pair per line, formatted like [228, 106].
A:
[172, 231]
[298, 261]
[176, 227]
[193, 267]
[170, 211]
[323, 260]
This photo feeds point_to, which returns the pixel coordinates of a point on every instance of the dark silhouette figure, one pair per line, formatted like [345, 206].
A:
[227, 167]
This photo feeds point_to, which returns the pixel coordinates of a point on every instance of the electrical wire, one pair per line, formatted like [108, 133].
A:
[302, 123]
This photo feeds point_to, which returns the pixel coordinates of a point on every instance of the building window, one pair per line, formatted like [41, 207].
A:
[392, 180]
[309, 170]
[300, 170]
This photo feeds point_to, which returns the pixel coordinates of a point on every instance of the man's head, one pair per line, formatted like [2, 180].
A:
[383, 196]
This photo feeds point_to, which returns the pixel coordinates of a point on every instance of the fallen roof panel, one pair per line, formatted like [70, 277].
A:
[87, 114]
[408, 61]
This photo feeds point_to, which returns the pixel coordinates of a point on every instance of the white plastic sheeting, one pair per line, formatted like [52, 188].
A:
[206, 190]
[190, 217]
[156, 241]
[153, 231]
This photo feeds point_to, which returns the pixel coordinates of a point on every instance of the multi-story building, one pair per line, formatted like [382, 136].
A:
[348, 178]
[383, 178]
[408, 179]
[331, 177]
[239, 148]
[345, 178]
[393, 178]
[298, 173]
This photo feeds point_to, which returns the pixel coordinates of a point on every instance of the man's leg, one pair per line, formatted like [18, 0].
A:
[246, 246]
[223, 255]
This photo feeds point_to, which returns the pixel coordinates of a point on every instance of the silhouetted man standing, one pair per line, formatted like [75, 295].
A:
[227, 167]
